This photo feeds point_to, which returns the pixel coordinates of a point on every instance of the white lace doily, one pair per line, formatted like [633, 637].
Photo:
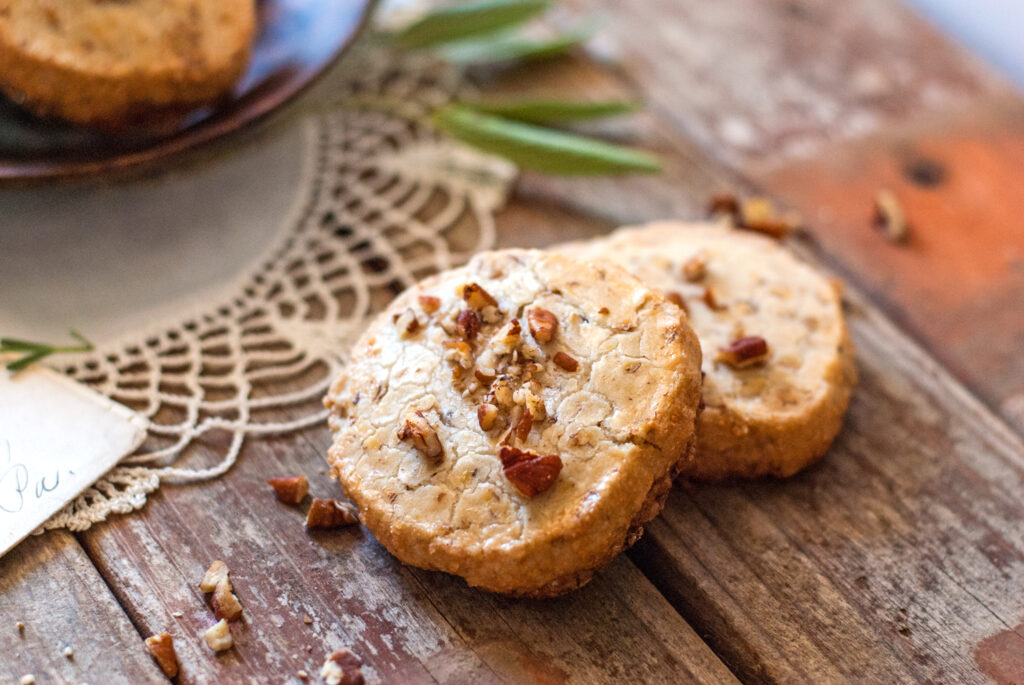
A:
[385, 202]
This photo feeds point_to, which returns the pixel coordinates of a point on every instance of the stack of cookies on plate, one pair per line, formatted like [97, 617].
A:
[517, 421]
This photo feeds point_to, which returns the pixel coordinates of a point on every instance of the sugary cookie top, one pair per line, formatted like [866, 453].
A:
[521, 398]
[769, 325]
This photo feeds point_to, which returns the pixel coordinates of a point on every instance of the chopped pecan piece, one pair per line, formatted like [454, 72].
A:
[429, 304]
[487, 414]
[162, 648]
[421, 434]
[407, 323]
[467, 324]
[290, 489]
[677, 299]
[524, 424]
[342, 668]
[543, 325]
[330, 513]
[711, 301]
[224, 602]
[565, 361]
[485, 375]
[214, 576]
[889, 216]
[459, 352]
[507, 338]
[696, 267]
[218, 637]
[530, 473]
[723, 203]
[744, 352]
[476, 297]
[759, 214]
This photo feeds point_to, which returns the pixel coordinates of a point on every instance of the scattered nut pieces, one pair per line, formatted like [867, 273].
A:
[696, 267]
[507, 339]
[712, 301]
[330, 513]
[342, 668]
[69, 653]
[744, 352]
[225, 603]
[754, 214]
[218, 637]
[487, 415]
[421, 434]
[429, 304]
[20, 626]
[27, 679]
[161, 647]
[530, 473]
[301, 674]
[565, 361]
[290, 489]
[177, 614]
[543, 325]
[307, 620]
[467, 324]
[889, 216]
[217, 573]
[476, 297]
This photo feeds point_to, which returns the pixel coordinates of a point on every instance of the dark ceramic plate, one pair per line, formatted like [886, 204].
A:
[298, 40]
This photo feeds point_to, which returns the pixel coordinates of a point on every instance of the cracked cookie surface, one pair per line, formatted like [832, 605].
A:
[517, 420]
[777, 357]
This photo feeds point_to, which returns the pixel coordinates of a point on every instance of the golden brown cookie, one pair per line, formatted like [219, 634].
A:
[108, 63]
[516, 421]
[778, 360]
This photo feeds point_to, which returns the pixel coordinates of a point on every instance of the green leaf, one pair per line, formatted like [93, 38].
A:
[463, 20]
[12, 345]
[540, 111]
[508, 48]
[27, 360]
[541, 149]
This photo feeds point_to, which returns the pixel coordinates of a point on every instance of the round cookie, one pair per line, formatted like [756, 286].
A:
[517, 420]
[112, 63]
[778, 361]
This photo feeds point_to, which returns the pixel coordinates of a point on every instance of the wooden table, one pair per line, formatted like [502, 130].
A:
[899, 558]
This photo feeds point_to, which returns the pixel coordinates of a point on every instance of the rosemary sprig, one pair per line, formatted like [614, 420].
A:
[31, 352]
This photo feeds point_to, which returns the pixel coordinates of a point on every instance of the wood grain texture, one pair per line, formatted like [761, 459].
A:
[408, 626]
[751, 80]
[49, 584]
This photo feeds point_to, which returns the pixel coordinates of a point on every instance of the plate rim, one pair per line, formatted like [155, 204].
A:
[165, 153]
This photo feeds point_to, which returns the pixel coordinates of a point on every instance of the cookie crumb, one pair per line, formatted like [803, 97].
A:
[69, 653]
[302, 675]
[28, 679]
[342, 668]
[177, 614]
[218, 637]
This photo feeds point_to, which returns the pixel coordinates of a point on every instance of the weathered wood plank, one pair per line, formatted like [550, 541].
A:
[407, 625]
[895, 559]
[756, 80]
[958, 179]
[48, 584]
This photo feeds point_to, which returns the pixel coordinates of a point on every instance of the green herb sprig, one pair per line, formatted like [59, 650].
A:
[481, 32]
[31, 352]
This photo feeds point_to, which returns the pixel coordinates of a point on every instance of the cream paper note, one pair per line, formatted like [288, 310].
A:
[57, 437]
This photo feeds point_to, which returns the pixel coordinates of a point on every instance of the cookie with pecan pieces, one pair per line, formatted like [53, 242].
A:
[516, 421]
[778, 360]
